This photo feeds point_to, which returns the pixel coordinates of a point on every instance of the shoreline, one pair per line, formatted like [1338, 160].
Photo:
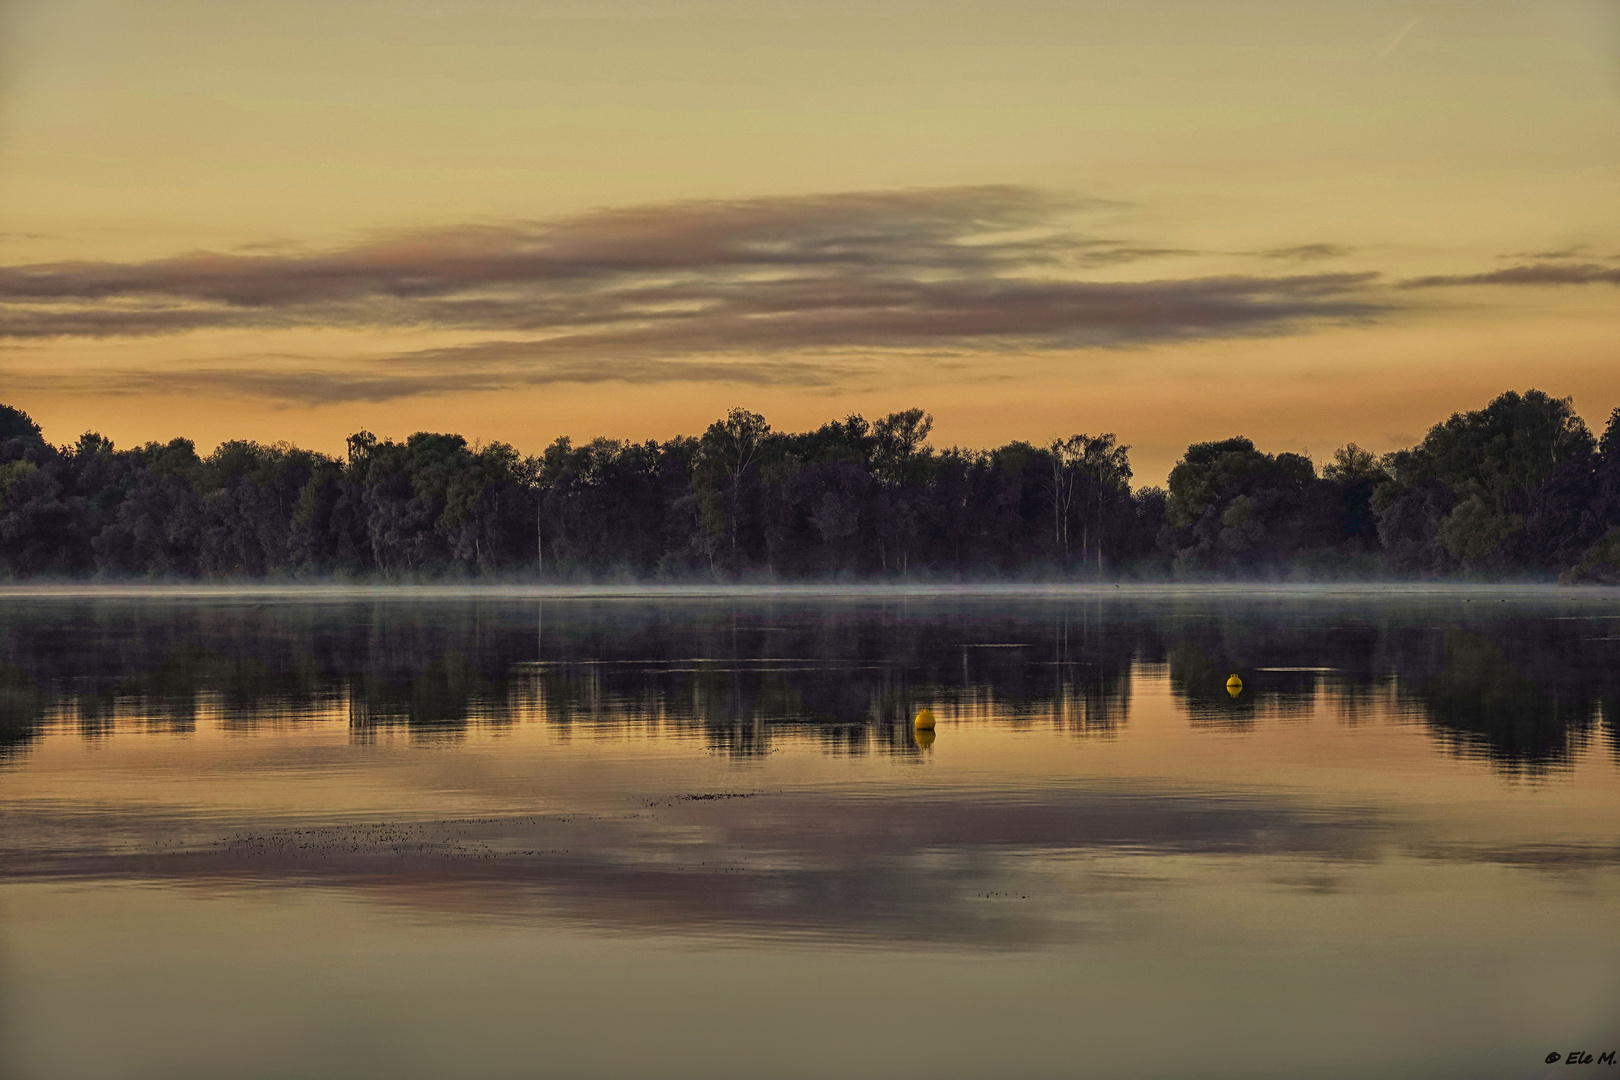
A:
[1235, 590]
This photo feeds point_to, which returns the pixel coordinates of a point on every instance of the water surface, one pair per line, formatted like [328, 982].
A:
[429, 834]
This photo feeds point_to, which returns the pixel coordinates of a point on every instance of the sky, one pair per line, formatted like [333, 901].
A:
[1305, 222]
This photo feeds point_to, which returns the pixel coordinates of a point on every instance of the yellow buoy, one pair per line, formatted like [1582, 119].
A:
[924, 737]
[924, 721]
[1234, 686]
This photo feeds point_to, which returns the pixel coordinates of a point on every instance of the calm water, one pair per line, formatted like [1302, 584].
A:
[425, 835]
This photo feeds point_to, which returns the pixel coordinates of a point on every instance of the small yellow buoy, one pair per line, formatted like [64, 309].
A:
[924, 721]
[1234, 685]
[924, 737]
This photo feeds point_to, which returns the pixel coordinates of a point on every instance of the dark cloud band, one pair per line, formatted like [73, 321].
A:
[800, 290]
[1533, 274]
[887, 269]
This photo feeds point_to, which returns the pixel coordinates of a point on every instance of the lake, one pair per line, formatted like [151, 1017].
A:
[429, 833]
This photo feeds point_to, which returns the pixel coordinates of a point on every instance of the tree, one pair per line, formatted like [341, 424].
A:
[735, 441]
[361, 444]
[1512, 445]
[1208, 470]
[1351, 464]
[1610, 443]
[1407, 530]
[728, 448]
[1102, 468]
[1357, 473]
[899, 440]
[1515, 441]
[1471, 531]
[1065, 455]
[16, 424]
[1107, 466]
[1519, 484]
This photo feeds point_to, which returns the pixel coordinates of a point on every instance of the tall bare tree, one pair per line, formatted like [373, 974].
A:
[1097, 459]
[728, 448]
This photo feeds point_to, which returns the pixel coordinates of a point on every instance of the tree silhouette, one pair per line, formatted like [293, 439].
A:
[1517, 487]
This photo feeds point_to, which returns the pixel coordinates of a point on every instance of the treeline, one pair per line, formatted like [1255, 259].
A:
[1520, 487]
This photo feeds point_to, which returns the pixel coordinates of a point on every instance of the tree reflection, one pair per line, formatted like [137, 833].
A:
[1525, 692]
[447, 693]
[22, 710]
[1480, 703]
[1199, 679]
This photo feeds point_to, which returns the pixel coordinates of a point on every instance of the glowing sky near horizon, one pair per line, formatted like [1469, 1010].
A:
[1305, 222]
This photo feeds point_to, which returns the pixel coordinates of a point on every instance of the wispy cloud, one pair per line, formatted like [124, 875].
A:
[1307, 252]
[481, 368]
[1575, 251]
[953, 231]
[1530, 274]
[1395, 42]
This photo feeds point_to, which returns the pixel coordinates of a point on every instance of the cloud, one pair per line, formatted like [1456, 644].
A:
[1531, 274]
[917, 231]
[1115, 252]
[413, 375]
[806, 333]
[754, 290]
[1395, 42]
[1576, 251]
[1308, 252]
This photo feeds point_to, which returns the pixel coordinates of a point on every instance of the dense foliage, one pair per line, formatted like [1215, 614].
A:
[1519, 487]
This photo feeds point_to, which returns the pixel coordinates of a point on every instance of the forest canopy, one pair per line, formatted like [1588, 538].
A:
[1519, 488]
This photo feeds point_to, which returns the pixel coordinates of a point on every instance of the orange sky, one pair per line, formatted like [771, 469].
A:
[1175, 221]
